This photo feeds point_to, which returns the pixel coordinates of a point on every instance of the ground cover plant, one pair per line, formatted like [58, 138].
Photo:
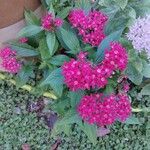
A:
[90, 55]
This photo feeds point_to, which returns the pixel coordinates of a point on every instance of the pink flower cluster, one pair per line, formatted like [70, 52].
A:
[49, 23]
[90, 27]
[9, 61]
[82, 74]
[104, 110]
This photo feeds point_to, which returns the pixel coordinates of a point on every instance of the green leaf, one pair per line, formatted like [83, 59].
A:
[24, 50]
[70, 118]
[43, 49]
[51, 9]
[75, 97]
[30, 30]
[51, 39]
[59, 60]
[122, 3]
[106, 43]
[24, 74]
[90, 131]
[138, 64]
[145, 90]
[146, 69]
[55, 80]
[31, 18]
[133, 74]
[70, 39]
[64, 13]
[132, 120]
[109, 89]
[84, 4]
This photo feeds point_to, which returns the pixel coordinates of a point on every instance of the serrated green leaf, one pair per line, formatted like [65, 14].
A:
[24, 50]
[133, 74]
[51, 39]
[30, 30]
[55, 80]
[75, 97]
[64, 13]
[59, 60]
[24, 74]
[43, 49]
[90, 131]
[70, 39]
[31, 18]
[84, 4]
[122, 3]
[106, 43]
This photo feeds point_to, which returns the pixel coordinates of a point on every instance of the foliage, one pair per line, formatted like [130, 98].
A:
[50, 45]
[37, 135]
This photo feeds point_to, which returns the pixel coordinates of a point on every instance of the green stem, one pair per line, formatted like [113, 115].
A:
[27, 87]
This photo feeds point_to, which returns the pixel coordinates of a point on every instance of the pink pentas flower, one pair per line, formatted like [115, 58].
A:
[49, 22]
[83, 74]
[104, 110]
[90, 27]
[58, 22]
[9, 61]
[98, 109]
[7, 52]
[123, 107]
[117, 56]
[23, 40]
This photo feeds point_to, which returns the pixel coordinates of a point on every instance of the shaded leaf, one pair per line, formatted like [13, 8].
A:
[59, 60]
[90, 131]
[106, 43]
[30, 30]
[50, 39]
[24, 50]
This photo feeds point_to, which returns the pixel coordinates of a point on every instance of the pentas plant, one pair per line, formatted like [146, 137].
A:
[83, 65]
[49, 23]
[90, 27]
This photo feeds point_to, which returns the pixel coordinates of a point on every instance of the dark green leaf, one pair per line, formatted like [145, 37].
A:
[24, 74]
[24, 50]
[55, 80]
[30, 30]
[84, 4]
[31, 18]
[43, 49]
[51, 39]
[106, 43]
[133, 74]
[70, 39]
[64, 13]
[75, 97]
[90, 131]
[59, 60]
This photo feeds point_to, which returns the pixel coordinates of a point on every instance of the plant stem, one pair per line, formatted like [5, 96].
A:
[27, 87]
